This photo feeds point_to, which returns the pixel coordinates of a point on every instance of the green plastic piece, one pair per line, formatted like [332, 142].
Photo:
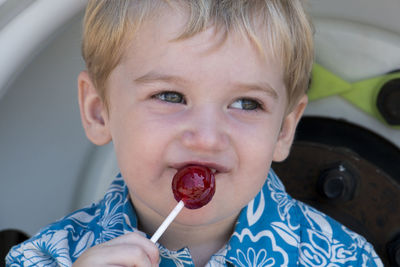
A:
[362, 94]
[325, 84]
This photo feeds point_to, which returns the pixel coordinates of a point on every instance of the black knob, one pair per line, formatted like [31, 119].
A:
[393, 251]
[388, 102]
[337, 182]
[9, 238]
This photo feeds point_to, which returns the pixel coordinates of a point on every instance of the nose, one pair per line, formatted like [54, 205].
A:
[205, 131]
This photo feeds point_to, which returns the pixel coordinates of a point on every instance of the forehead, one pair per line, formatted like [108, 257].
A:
[209, 59]
[175, 20]
[164, 31]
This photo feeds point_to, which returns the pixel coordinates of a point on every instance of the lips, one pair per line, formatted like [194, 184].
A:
[214, 167]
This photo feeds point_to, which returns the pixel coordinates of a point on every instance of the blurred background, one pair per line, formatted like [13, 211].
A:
[345, 160]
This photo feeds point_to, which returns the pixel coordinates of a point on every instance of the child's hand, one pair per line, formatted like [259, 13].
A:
[128, 250]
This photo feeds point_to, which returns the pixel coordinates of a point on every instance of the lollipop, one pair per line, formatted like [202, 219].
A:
[193, 187]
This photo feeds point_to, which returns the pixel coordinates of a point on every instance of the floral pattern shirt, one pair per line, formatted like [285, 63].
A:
[272, 230]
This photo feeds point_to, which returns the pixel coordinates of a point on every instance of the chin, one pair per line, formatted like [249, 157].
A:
[201, 217]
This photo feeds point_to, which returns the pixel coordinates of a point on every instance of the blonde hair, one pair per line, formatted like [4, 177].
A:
[288, 31]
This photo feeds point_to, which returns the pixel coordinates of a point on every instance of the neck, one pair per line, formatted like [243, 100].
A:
[202, 240]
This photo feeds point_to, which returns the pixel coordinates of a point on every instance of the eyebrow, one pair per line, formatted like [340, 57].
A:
[264, 87]
[152, 77]
[159, 77]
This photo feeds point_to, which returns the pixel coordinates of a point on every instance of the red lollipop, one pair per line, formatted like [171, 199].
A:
[194, 185]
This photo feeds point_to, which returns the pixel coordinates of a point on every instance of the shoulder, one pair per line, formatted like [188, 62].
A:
[319, 238]
[324, 240]
[58, 244]
[62, 242]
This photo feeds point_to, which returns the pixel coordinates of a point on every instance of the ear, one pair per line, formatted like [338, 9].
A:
[288, 129]
[93, 112]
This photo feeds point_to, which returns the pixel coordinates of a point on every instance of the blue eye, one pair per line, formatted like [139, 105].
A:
[172, 97]
[246, 104]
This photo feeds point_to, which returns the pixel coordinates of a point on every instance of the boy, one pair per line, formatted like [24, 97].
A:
[214, 83]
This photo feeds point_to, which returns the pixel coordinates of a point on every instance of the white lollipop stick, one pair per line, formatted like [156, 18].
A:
[167, 221]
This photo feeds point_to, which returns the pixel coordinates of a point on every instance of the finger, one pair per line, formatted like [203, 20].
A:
[119, 255]
[137, 239]
[128, 255]
[129, 250]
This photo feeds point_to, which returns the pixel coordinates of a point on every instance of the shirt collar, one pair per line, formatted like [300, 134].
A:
[267, 213]
[254, 241]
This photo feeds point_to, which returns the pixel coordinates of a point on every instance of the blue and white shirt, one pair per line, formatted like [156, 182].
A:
[272, 230]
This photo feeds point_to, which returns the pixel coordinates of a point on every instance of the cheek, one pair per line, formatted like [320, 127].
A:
[255, 148]
[256, 163]
[257, 142]
[139, 145]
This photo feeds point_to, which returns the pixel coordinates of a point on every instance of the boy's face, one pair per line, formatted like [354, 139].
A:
[174, 103]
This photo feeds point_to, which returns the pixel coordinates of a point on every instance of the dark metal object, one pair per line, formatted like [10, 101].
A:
[388, 102]
[337, 174]
[339, 133]
[393, 249]
[337, 183]
[9, 238]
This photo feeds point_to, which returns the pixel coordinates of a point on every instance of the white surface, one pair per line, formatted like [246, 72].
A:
[382, 14]
[99, 171]
[354, 52]
[22, 36]
[2, 2]
[10, 9]
[43, 149]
